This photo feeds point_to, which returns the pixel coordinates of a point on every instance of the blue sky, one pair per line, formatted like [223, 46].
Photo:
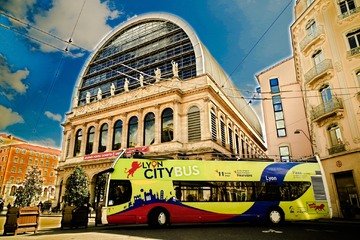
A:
[37, 77]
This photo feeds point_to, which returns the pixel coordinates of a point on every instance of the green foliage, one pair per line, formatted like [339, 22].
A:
[77, 188]
[31, 189]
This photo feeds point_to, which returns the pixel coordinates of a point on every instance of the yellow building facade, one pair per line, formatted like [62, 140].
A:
[326, 44]
[152, 86]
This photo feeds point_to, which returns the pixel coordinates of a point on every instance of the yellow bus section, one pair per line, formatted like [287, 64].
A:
[305, 207]
[137, 169]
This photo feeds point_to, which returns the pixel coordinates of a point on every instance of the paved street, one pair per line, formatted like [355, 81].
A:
[327, 230]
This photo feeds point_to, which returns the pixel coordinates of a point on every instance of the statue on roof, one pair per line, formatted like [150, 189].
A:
[76, 101]
[141, 79]
[157, 74]
[99, 94]
[112, 89]
[87, 97]
[126, 85]
[175, 68]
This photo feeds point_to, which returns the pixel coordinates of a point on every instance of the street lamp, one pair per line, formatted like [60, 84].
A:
[297, 131]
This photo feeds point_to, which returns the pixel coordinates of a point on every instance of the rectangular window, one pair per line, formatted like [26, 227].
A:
[274, 85]
[279, 116]
[354, 39]
[284, 153]
[346, 6]
[318, 188]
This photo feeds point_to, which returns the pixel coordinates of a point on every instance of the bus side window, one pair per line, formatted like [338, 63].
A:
[120, 192]
[178, 193]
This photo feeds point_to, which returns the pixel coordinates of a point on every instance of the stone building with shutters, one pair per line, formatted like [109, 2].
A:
[151, 85]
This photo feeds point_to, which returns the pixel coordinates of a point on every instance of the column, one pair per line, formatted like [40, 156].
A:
[177, 120]
[96, 137]
[83, 140]
[110, 134]
[206, 123]
[157, 124]
[124, 130]
[140, 135]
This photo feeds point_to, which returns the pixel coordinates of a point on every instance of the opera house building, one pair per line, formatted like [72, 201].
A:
[151, 85]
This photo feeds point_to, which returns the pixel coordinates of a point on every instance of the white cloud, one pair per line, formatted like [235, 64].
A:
[8, 117]
[18, 8]
[47, 142]
[62, 21]
[11, 82]
[52, 116]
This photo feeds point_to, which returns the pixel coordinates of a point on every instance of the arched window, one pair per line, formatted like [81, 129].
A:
[237, 142]
[132, 132]
[103, 137]
[222, 132]
[310, 27]
[318, 57]
[13, 190]
[45, 192]
[68, 146]
[213, 125]
[149, 129]
[326, 97]
[78, 139]
[231, 143]
[194, 125]
[90, 140]
[167, 125]
[335, 135]
[336, 141]
[117, 135]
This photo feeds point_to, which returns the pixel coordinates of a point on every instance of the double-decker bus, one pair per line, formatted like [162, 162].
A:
[162, 192]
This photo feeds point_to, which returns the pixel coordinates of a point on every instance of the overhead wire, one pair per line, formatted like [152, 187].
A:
[32, 38]
[39, 30]
[261, 37]
[70, 43]
[57, 72]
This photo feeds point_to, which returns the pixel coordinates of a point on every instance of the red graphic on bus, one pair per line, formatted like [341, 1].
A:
[320, 207]
[134, 166]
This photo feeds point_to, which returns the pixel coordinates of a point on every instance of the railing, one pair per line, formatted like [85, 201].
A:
[326, 108]
[318, 70]
[349, 13]
[309, 38]
[337, 148]
[353, 51]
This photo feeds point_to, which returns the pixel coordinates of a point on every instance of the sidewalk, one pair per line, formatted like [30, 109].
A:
[92, 232]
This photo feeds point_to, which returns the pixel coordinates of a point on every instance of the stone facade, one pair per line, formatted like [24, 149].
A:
[189, 110]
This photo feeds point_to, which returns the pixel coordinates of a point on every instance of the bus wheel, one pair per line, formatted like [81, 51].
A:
[159, 218]
[275, 216]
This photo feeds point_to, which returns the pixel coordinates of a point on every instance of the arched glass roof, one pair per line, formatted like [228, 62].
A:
[147, 42]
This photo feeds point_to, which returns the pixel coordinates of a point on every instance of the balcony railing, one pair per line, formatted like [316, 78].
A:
[318, 71]
[326, 109]
[311, 37]
[337, 148]
[349, 13]
[353, 51]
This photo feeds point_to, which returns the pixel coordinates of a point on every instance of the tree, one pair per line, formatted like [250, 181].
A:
[77, 188]
[31, 189]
